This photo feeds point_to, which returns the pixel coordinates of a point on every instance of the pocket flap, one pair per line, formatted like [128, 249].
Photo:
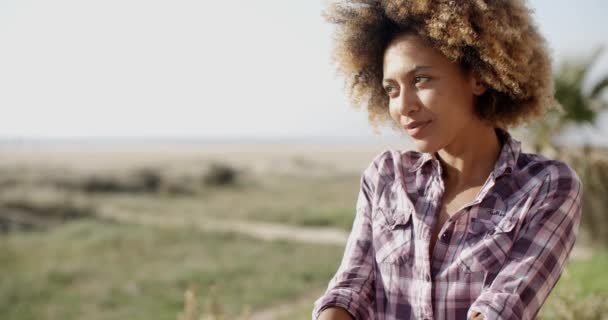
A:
[506, 225]
[483, 226]
[391, 218]
[400, 217]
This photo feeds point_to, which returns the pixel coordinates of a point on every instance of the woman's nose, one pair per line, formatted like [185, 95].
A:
[407, 103]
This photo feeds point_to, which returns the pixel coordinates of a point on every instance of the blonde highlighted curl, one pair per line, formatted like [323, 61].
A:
[496, 39]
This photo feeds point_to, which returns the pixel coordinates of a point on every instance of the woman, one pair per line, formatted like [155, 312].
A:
[467, 226]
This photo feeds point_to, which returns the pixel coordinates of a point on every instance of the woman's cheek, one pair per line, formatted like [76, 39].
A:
[429, 98]
[393, 109]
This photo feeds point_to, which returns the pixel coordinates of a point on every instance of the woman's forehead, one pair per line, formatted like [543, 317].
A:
[409, 54]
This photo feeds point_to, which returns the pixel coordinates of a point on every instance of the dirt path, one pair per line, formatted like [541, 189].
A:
[259, 230]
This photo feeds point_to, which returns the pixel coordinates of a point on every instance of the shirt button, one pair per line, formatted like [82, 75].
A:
[445, 236]
[428, 277]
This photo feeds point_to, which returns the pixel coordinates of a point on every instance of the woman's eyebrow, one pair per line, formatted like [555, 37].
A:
[418, 67]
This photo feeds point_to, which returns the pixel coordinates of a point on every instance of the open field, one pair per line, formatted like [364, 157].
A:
[100, 270]
[302, 201]
[123, 231]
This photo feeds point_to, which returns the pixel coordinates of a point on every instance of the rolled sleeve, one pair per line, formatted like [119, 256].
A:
[346, 298]
[352, 285]
[539, 253]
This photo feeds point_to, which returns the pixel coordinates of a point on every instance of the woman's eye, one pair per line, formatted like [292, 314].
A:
[418, 79]
[389, 89]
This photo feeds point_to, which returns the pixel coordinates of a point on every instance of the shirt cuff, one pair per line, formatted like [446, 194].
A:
[344, 298]
[494, 310]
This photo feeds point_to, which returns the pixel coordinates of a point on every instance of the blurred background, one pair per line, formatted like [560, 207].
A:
[199, 160]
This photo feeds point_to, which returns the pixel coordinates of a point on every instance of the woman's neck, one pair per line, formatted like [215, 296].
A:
[470, 158]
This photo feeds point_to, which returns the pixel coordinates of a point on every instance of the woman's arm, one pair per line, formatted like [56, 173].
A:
[538, 255]
[335, 313]
[352, 287]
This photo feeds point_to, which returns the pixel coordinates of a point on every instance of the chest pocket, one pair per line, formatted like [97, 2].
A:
[392, 229]
[487, 243]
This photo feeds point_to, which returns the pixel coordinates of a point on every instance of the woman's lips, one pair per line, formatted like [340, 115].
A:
[414, 129]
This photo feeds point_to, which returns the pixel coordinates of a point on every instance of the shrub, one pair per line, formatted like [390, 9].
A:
[40, 209]
[220, 175]
[148, 180]
[140, 180]
[593, 171]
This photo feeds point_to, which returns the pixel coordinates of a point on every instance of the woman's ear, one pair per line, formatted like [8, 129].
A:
[477, 86]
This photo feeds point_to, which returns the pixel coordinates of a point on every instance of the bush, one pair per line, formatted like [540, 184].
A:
[593, 171]
[220, 175]
[34, 210]
[148, 180]
[97, 183]
[138, 181]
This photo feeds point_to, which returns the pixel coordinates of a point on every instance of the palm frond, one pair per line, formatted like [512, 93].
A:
[599, 88]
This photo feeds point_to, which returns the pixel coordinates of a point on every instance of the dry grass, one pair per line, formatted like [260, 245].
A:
[125, 271]
[592, 168]
[92, 269]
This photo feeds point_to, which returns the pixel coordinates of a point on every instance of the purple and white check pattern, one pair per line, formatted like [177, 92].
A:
[500, 255]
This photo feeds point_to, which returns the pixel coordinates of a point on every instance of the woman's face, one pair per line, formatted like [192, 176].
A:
[429, 96]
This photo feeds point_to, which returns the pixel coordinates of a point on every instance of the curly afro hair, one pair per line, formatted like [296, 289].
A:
[496, 39]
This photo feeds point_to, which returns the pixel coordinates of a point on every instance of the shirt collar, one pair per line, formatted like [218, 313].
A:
[505, 164]
[511, 148]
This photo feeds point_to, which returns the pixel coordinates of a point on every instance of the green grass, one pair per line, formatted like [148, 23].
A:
[96, 270]
[303, 312]
[589, 274]
[581, 292]
[301, 201]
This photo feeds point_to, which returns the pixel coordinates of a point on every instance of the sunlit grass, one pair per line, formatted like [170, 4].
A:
[315, 201]
[581, 292]
[95, 270]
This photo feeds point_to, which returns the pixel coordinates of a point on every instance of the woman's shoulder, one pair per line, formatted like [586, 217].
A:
[555, 180]
[540, 167]
[387, 166]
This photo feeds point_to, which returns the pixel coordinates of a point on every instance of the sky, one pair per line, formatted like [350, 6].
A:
[202, 69]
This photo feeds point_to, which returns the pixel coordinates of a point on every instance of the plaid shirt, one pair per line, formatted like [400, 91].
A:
[500, 255]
